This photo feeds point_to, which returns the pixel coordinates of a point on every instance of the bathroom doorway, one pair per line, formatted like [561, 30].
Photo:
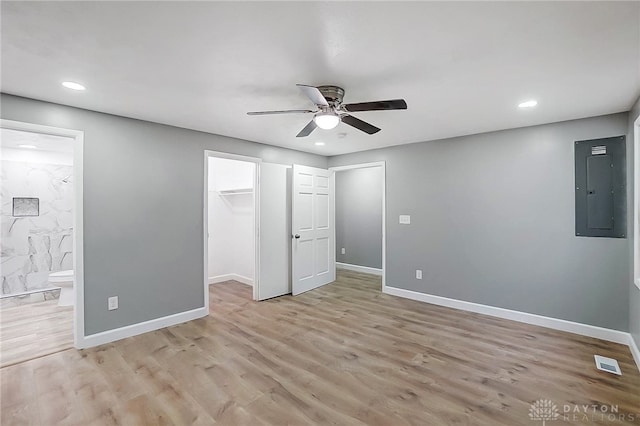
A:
[41, 234]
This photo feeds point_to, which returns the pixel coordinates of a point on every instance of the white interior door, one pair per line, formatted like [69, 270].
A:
[313, 233]
[275, 224]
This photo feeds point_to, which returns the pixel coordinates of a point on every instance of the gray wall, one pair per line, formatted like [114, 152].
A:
[634, 293]
[492, 217]
[143, 208]
[492, 222]
[359, 216]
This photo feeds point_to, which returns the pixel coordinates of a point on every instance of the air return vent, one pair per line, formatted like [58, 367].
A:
[609, 365]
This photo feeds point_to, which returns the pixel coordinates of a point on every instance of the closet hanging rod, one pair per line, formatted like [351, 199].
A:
[235, 191]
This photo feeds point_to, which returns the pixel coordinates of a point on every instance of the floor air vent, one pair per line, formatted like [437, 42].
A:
[609, 365]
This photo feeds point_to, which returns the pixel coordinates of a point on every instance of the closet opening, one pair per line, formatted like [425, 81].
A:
[231, 217]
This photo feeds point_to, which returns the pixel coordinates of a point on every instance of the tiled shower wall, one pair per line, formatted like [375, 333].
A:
[33, 247]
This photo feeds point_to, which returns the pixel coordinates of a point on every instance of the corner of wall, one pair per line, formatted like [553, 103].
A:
[634, 292]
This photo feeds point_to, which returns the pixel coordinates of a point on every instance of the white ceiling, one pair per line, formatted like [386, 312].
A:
[461, 67]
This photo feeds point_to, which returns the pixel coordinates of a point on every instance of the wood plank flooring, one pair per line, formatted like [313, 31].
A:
[344, 354]
[32, 330]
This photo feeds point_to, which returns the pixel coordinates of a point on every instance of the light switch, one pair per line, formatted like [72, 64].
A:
[405, 219]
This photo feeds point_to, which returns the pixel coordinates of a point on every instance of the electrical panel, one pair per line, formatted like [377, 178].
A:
[600, 187]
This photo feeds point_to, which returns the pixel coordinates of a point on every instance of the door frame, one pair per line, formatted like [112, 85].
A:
[636, 203]
[383, 165]
[256, 224]
[79, 338]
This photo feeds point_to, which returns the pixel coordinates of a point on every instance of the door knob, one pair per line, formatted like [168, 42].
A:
[296, 236]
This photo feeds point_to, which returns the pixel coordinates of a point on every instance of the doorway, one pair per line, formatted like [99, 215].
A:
[42, 270]
[360, 218]
[290, 208]
[232, 220]
[247, 224]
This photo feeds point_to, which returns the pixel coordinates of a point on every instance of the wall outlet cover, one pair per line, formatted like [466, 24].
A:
[112, 303]
[343, 251]
[405, 219]
[418, 274]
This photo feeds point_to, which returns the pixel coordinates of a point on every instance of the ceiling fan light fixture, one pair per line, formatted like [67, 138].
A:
[331, 111]
[326, 121]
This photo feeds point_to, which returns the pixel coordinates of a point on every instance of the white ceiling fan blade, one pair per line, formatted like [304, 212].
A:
[314, 94]
[286, 111]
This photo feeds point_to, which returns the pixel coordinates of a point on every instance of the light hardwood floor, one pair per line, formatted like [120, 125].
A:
[32, 330]
[344, 354]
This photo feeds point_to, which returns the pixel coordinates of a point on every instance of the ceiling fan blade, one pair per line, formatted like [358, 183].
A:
[286, 111]
[314, 94]
[376, 106]
[359, 124]
[307, 129]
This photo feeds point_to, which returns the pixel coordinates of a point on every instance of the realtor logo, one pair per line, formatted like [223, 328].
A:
[543, 410]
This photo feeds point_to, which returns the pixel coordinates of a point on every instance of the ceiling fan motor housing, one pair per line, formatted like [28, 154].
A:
[333, 94]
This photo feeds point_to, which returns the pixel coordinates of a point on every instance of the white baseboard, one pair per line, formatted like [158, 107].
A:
[220, 278]
[143, 327]
[634, 350]
[358, 268]
[228, 277]
[554, 323]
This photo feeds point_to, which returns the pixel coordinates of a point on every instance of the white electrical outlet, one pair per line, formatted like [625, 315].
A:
[112, 303]
[342, 250]
[418, 274]
[404, 219]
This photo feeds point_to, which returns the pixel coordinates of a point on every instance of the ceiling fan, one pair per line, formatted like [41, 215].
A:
[331, 111]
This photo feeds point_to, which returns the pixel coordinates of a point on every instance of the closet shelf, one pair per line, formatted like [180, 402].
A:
[238, 191]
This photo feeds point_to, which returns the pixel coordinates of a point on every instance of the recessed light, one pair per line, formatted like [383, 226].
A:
[528, 104]
[319, 143]
[72, 85]
[28, 146]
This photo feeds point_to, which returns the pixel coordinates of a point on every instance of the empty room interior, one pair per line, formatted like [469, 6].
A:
[309, 213]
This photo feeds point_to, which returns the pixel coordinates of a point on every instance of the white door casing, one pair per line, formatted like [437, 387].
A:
[256, 218]
[79, 337]
[313, 230]
[275, 226]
